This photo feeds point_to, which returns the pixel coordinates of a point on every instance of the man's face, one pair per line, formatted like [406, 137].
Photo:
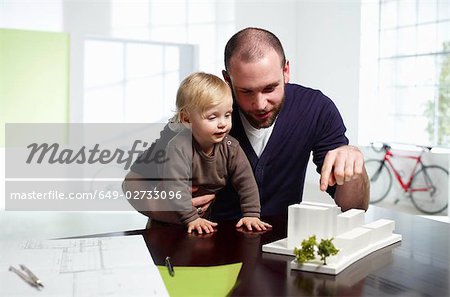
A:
[258, 88]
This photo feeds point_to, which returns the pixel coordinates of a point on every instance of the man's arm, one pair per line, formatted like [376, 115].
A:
[353, 194]
[344, 166]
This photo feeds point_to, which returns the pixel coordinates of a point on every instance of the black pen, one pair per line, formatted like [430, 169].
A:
[170, 266]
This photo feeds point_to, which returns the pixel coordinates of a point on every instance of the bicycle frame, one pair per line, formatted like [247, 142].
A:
[421, 183]
[406, 186]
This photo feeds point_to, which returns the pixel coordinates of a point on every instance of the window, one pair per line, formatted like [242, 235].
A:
[206, 23]
[411, 100]
[132, 81]
[155, 44]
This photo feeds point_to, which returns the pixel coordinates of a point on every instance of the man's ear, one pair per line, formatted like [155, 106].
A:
[226, 77]
[286, 72]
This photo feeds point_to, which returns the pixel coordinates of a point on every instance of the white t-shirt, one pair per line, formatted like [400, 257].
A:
[258, 137]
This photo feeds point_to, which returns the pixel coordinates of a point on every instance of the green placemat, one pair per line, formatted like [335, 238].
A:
[200, 281]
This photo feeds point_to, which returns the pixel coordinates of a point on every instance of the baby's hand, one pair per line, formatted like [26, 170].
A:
[252, 222]
[201, 225]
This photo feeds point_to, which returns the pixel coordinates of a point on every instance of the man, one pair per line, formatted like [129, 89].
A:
[278, 125]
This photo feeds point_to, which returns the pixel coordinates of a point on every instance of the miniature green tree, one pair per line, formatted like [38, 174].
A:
[306, 253]
[325, 249]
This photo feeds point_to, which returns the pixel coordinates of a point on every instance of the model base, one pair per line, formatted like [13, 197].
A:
[339, 263]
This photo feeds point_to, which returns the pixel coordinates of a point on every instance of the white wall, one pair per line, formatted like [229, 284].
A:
[96, 21]
[279, 17]
[328, 34]
[35, 15]
[2, 178]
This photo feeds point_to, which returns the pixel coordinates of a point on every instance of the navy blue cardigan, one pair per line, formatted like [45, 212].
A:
[308, 121]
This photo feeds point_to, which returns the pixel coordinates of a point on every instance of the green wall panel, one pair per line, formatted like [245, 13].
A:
[34, 78]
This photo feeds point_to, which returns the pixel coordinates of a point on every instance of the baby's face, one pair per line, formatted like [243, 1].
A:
[213, 124]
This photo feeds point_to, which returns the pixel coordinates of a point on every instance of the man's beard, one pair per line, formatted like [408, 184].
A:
[266, 123]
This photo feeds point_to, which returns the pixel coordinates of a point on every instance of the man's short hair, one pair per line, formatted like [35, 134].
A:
[251, 44]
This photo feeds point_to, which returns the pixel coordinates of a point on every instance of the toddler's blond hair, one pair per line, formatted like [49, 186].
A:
[199, 92]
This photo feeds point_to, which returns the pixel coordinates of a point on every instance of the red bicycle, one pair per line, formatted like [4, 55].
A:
[423, 185]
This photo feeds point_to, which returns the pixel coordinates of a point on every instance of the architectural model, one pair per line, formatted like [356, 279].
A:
[352, 236]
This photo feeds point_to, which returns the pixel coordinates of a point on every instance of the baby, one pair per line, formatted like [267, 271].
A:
[205, 150]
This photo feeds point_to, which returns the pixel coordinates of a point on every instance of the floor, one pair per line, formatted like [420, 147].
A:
[405, 205]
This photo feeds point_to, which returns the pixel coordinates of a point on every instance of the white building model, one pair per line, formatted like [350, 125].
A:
[352, 237]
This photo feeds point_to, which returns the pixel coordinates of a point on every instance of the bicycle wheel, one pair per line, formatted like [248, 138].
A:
[429, 190]
[380, 180]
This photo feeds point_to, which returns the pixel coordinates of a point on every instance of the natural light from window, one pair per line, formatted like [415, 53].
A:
[405, 65]
[135, 74]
